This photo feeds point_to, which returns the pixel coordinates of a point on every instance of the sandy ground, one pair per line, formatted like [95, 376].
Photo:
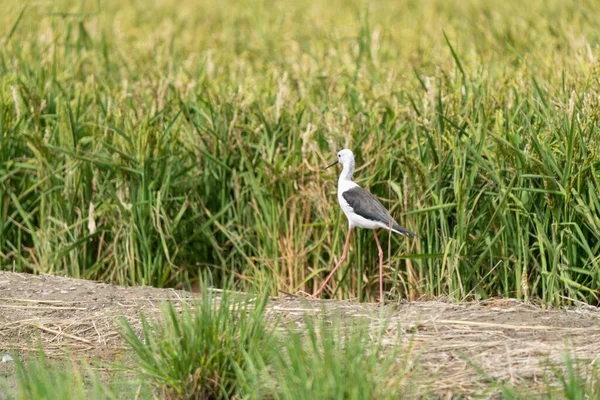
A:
[447, 342]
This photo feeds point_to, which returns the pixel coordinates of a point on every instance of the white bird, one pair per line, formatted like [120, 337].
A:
[363, 210]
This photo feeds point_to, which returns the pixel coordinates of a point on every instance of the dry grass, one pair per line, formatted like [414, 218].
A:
[457, 348]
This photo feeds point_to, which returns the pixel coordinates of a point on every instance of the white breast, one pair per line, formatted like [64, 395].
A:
[344, 185]
[353, 218]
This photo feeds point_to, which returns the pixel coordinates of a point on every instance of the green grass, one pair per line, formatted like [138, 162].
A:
[327, 360]
[146, 143]
[42, 378]
[199, 352]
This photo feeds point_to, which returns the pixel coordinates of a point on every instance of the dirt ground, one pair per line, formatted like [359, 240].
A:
[508, 340]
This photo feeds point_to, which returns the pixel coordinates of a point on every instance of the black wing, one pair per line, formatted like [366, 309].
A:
[365, 204]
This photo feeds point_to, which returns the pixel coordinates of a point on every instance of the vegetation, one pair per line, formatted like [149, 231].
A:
[329, 361]
[148, 142]
[222, 349]
[199, 352]
[153, 142]
[40, 378]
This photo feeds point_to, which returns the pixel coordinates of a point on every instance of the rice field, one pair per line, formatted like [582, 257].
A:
[148, 143]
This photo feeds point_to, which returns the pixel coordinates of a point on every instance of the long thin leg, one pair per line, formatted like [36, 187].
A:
[314, 296]
[380, 267]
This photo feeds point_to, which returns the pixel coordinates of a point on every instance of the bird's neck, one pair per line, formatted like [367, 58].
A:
[347, 172]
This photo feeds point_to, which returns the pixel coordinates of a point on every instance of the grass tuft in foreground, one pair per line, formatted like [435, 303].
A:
[198, 352]
[327, 360]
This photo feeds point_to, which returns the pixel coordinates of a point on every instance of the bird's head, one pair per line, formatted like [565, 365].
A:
[343, 157]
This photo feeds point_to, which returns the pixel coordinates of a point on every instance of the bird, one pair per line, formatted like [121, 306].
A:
[363, 210]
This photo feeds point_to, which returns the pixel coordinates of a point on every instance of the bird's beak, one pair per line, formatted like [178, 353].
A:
[331, 165]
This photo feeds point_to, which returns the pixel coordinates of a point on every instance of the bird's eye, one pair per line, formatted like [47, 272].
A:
[338, 156]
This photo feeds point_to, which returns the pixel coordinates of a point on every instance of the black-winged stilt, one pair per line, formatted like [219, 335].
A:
[363, 210]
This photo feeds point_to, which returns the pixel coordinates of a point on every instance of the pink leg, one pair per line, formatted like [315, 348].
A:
[314, 296]
[380, 267]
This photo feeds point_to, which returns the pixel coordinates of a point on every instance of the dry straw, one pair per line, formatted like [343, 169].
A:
[454, 347]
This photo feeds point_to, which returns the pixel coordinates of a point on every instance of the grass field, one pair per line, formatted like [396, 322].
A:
[155, 142]
[148, 142]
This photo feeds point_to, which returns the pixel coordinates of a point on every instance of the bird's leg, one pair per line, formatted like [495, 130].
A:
[380, 267]
[314, 296]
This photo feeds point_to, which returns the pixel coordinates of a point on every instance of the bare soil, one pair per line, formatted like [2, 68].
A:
[458, 348]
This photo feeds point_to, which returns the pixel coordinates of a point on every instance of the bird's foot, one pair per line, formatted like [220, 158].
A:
[302, 293]
[311, 297]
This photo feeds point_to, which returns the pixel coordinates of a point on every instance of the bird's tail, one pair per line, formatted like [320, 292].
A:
[402, 231]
